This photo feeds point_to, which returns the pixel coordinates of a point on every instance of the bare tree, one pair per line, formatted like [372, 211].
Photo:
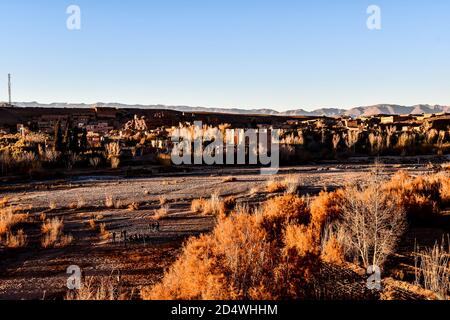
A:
[371, 222]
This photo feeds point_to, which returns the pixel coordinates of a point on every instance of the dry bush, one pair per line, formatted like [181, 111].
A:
[274, 186]
[332, 246]
[282, 211]
[161, 213]
[113, 152]
[4, 202]
[18, 240]
[109, 201]
[9, 217]
[212, 206]
[229, 179]
[42, 216]
[104, 234]
[301, 238]
[53, 236]
[432, 268]
[197, 205]
[92, 224]
[52, 205]
[162, 200]
[372, 225]
[326, 208]
[292, 184]
[444, 191]
[239, 260]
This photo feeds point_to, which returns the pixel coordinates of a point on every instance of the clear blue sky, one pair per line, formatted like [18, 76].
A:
[280, 54]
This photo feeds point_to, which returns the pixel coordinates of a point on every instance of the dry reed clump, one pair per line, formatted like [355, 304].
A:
[104, 233]
[239, 260]
[421, 197]
[432, 268]
[81, 203]
[53, 236]
[326, 208]
[9, 217]
[109, 201]
[229, 179]
[372, 226]
[333, 250]
[18, 240]
[92, 224]
[4, 202]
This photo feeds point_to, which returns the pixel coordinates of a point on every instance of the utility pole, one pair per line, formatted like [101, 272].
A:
[9, 89]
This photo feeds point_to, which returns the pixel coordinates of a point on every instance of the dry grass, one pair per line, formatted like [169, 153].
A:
[161, 213]
[229, 179]
[212, 206]
[432, 269]
[275, 251]
[133, 206]
[52, 205]
[9, 217]
[53, 236]
[239, 260]
[326, 208]
[421, 197]
[4, 202]
[81, 203]
[162, 200]
[18, 240]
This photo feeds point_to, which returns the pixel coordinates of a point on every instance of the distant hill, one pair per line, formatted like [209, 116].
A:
[329, 112]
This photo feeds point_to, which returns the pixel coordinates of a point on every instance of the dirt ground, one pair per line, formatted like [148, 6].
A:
[37, 273]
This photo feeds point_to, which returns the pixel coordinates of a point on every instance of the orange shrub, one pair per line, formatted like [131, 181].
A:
[332, 251]
[419, 196]
[301, 238]
[281, 211]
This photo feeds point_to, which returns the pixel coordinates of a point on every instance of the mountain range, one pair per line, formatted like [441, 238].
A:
[389, 109]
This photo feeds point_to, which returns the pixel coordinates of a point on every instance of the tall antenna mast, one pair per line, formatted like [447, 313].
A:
[9, 89]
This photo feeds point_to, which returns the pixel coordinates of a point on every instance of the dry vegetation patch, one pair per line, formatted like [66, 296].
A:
[53, 235]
